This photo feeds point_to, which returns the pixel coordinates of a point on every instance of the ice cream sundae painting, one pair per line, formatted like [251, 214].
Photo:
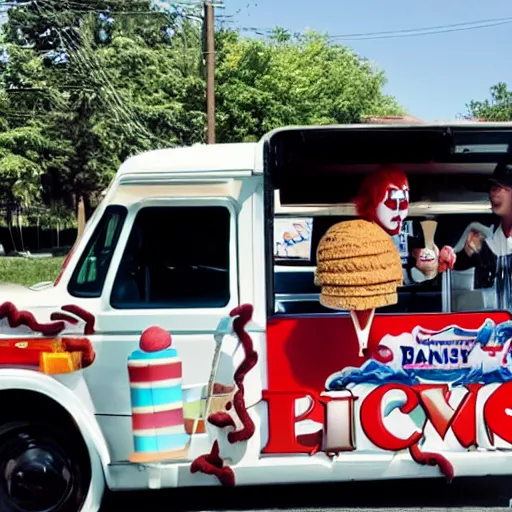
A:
[452, 355]
[293, 239]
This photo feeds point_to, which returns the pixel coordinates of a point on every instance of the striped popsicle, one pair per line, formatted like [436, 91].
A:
[157, 406]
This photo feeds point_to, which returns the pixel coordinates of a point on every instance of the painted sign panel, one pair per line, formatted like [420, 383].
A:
[431, 391]
[292, 238]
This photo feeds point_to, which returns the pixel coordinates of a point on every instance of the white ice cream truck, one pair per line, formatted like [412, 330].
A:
[184, 343]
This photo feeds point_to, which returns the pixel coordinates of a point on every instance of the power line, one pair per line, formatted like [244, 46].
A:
[164, 6]
[440, 29]
[190, 9]
[435, 27]
[424, 31]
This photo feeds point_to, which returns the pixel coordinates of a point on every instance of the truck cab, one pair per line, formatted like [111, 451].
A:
[188, 313]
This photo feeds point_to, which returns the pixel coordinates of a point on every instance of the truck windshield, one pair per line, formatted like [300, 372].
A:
[90, 273]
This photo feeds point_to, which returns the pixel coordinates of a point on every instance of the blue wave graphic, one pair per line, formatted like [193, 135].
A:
[373, 372]
[498, 376]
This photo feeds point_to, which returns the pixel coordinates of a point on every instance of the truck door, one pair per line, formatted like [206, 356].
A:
[176, 266]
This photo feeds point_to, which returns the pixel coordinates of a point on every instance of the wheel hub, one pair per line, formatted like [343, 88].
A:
[37, 477]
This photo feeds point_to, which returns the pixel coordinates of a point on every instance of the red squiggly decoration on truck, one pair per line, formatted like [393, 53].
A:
[244, 315]
[17, 318]
[84, 315]
[53, 347]
[212, 464]
[432, 459]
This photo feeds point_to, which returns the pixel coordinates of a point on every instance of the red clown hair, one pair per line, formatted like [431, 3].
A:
[373, 189]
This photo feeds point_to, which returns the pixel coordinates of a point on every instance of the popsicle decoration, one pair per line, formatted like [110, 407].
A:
[358, 264]
[157, 400]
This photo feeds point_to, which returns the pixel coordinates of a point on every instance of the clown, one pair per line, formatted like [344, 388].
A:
[384, 199]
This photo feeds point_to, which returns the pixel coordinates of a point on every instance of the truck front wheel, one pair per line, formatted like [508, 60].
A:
[42, 468]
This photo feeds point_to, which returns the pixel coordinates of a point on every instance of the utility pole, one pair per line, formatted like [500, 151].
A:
[210, 71]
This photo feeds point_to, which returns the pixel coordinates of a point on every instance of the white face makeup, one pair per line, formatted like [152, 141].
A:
[393, 209]
[427, 255]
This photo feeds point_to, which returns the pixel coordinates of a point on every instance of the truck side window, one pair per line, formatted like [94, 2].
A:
[89, 275]
[175, 257]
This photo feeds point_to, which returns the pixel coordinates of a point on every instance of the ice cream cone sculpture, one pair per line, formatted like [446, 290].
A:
[359, 270]
[429, 255]
[429, 230]
[362, 321]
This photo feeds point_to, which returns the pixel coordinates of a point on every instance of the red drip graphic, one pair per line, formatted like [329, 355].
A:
[84, 315]
[432, 459]
[244, 316]
[18, 318]
[82, 345]
[221, 419]
[212, 464]
[64, 318]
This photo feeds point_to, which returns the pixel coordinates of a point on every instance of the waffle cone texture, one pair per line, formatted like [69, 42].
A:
[358, 267]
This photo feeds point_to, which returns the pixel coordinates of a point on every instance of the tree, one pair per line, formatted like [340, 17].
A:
[289, 80]
[84, 85]
[113, 79]
[497, 108]
[27, 151]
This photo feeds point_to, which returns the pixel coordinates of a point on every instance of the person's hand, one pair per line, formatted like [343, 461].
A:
[447, 258]
[473, 243]
[427, 261]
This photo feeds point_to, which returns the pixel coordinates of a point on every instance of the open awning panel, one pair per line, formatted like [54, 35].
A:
[325, 165]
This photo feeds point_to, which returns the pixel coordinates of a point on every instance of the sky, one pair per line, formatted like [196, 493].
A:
[432, 76]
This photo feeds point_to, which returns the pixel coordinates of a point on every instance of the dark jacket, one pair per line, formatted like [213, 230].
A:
[484, 264]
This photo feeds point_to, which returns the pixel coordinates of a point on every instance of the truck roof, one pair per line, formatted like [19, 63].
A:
[248, 156]
[197, 158]
[381, 123]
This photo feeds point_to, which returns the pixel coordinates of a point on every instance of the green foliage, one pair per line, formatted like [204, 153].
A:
[131, 90]
[89, 83]
[290, 80]
[497, 108]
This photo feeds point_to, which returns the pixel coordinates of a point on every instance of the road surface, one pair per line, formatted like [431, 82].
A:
[473, 495]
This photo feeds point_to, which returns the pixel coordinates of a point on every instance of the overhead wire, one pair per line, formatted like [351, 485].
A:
[67, 45]
[399, 33]
[456, 27]
[182, 7]
[84, 56]
[89, 61]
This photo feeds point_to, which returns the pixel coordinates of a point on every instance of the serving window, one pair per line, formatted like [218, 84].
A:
[313, 174]
[295, 263]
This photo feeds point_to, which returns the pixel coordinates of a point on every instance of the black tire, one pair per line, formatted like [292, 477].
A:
[43, 468]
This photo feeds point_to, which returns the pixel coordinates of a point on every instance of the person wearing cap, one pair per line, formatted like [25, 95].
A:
[491, 256]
